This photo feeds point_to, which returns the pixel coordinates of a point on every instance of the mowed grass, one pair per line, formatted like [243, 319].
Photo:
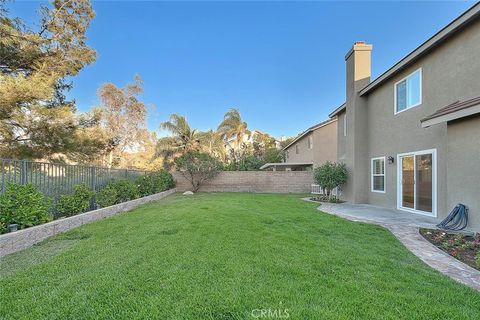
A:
[227, 256]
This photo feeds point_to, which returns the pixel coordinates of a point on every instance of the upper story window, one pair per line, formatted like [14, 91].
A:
[408, 92]
[310, 142]
[345, 124]
[378, 174]
[297, 151]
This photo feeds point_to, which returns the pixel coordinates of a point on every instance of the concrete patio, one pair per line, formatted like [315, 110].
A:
[380, 215]
[404, 226]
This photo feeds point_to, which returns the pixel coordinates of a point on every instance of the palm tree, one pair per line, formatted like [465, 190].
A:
[212, 143]
[182, 140]
[233, 127]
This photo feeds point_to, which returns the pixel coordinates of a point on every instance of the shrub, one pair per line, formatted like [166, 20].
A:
[154, 182]
[126, 190]
[77, 202]
[117, 191]
[23, 205]
[330, 176]
[232, 166]
[107, 196]
[145, 185]
[197, 168]
[164, 181]
[477, 259]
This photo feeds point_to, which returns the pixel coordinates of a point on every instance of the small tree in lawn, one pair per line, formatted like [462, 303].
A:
[197, 167]
[330, 176]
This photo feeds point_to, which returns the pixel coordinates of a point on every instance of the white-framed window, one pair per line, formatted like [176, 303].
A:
[310, 142]
[345, 124]
[297, 151]
[408, 92]
[378, 175]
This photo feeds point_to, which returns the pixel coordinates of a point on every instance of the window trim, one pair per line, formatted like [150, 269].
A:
[384, 175]
[395, 92]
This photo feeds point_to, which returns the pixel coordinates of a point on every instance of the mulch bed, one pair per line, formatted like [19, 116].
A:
[462, 247]
[322, 198]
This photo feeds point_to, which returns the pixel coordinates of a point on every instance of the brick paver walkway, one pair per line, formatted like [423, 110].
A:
[406, 230]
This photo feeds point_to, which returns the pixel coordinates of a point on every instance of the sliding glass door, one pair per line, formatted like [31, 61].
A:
[417, 179]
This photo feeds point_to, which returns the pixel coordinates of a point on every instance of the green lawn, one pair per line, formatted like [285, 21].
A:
[222, 256]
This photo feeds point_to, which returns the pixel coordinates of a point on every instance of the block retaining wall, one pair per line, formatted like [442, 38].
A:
[22, 239]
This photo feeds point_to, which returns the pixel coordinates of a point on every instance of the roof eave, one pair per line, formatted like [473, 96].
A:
[338, 110]
[425, 47]
[470, 111]
[304, 133]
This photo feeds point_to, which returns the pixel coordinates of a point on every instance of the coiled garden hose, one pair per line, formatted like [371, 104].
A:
[456, 220]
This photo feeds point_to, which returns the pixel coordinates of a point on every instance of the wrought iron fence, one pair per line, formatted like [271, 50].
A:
[54, 179]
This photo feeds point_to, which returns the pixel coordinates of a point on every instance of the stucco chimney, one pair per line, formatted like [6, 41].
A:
[358, 61]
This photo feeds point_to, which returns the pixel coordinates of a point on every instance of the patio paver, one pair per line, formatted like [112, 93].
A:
[405, 227]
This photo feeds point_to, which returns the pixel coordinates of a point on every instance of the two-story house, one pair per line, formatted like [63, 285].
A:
[411, 137]
[311, 148]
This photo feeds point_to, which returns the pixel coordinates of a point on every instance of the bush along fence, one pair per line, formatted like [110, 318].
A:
[33, 193]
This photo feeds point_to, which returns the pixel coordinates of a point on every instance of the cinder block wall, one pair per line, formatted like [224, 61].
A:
[253, 181]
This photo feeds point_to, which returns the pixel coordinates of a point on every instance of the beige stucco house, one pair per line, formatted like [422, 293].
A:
[311, 148]
[411, 137]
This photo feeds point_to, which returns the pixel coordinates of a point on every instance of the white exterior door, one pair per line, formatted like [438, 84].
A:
[417, 182]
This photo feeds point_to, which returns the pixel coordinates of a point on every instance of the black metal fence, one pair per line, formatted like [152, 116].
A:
[54, 179]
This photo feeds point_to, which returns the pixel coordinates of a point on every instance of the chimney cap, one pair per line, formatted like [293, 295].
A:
[358, 46]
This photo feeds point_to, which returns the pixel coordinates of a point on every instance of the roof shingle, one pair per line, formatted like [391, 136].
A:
[453, 107]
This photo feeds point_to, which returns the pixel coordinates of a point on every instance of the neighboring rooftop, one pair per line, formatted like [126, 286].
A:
[338, 110]
[453, 111]
[312, 128]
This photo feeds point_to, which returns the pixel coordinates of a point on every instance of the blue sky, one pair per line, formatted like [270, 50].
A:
[281, 63]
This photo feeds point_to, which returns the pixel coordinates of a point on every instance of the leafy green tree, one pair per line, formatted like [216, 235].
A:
[197, 168]
[249, 163]
[261, 142]
[273, 155]
[123, 117]
[36, 120]
[331, 175]
[142, 155]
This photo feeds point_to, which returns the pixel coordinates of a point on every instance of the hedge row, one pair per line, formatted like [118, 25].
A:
[25, 206]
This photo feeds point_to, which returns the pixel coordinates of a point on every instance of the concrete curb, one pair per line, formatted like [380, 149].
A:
[16, 241]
